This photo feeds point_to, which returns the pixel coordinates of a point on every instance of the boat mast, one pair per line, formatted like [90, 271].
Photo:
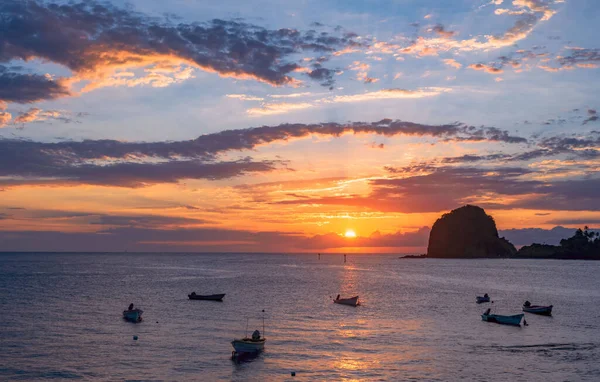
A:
[263, 312]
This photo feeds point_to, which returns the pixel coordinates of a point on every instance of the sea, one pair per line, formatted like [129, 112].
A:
[61, 318]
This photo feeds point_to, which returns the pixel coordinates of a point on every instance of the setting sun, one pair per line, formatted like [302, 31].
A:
[350, 233]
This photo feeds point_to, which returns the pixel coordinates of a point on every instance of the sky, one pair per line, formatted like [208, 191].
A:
[307, 126]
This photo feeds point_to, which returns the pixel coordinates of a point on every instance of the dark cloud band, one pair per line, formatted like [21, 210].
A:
[90, 36]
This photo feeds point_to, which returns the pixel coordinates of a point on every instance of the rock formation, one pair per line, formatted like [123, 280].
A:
[467, 232]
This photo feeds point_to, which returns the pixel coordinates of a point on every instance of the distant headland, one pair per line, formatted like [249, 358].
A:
[468, 232]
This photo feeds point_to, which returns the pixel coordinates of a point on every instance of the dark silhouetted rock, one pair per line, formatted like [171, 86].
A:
[467, 232]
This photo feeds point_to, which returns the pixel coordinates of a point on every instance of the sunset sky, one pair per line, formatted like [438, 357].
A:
[277, 126]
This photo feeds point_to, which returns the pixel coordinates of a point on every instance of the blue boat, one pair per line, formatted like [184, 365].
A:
[483, 299]
[505, 320]
[133, 315]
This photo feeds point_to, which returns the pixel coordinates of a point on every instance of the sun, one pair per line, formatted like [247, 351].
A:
[350, 233]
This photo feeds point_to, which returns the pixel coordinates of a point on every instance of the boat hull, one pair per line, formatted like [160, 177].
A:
[210, 297]
[514, 320]
[481, 300]
[536, 309]
[248, 346]
[353, 301]
[133, 315]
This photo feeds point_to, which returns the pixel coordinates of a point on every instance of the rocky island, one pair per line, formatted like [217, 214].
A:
[467, 232]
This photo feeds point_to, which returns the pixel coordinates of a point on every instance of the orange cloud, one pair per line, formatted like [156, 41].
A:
[362, 74]
[536, 6]
[503, 11]
[441, 31]
[278, 108]
[485, 68]
[244, 97]
[389, 94]
[4, 118]
[35, 114]
[452, 62]
[29, 116]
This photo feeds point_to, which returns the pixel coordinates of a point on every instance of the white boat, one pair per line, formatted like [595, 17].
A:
[133, 315]
[249, 345]
[351, 301]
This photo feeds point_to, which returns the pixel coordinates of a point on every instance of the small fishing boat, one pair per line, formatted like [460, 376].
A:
[210, 297]
[352, 301]
[249, 345]
[133, 315]
[537, 309]
[505, 320]
[483, 299]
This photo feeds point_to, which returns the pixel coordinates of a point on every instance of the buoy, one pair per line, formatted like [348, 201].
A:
[135, 338]
[293, 373]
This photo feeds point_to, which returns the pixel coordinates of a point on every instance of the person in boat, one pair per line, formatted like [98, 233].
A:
[130, 306]
[193, 293]
[527, 304]
[487, 312]
[256, 335]
[338, 297]
[486, 296]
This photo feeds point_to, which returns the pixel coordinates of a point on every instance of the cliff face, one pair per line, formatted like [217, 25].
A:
[467, 232]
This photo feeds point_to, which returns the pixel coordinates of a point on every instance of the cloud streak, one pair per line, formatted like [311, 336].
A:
[99, 42]
[426, 188]
[134, 164]
[270, 108]
[28, 88]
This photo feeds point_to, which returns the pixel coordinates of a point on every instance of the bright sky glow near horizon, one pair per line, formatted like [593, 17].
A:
[288, 126]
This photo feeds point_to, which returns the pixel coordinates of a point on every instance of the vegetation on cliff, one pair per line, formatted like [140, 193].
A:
[583, 245]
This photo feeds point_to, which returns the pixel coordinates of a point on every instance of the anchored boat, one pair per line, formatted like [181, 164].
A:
[351, 301]
[209, 297]
[133, 315]
[500, 319]
[250, 345]
[483, 299]
[537, 309]
[255, 344]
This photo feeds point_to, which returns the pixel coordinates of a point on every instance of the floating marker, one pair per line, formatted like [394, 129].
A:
[293, 373]
[135, 338]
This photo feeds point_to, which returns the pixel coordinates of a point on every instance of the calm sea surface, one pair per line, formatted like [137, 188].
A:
[60, 317]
